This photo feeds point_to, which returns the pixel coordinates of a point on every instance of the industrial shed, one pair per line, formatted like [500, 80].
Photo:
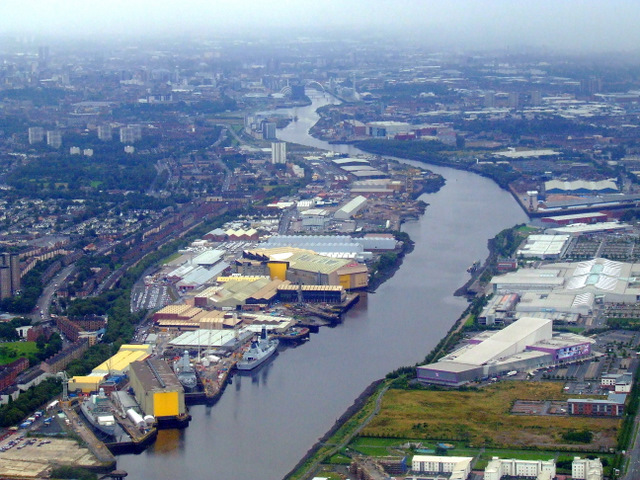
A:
[157, 389]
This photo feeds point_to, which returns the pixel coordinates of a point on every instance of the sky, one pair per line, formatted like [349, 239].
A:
[582, 25]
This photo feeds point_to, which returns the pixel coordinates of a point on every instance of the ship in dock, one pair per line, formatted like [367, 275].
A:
[260, 350]
[293, 335]
[185, 372]
[97, 411]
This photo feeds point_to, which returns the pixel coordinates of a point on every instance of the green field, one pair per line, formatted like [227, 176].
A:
[12, 350]
[482, 418]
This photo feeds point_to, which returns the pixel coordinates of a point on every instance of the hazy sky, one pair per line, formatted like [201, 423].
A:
[585, 25]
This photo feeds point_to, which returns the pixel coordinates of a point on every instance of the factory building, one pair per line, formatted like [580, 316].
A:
[457, 468]
[119, 363]
[581, 186]
[314, 218]
[157, 390]
[544, 246]
[525, 344]
[308, 268]
[498, 468]
[323, 244]
[350, 208]
[577, 229]
[607, 280]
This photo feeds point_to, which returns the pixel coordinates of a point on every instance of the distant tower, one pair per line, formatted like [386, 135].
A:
[278, 153]
[269, 131]
[9, 274]
[105, 133]
[514, 100]
[130, 133]
[490, 99]
[43, 55]
[5, 282]
[536, 98]
[36, 135]
[54, 138]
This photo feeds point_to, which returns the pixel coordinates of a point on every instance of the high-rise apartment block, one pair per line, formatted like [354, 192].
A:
[36, 135]
[9, 274]
[278, 153]
[105, 133]
[130, 133]
[54, 138]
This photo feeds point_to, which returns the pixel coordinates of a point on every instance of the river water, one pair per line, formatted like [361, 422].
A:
[265, 422]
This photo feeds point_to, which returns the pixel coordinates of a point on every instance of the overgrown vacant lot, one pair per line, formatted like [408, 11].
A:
[483, 418]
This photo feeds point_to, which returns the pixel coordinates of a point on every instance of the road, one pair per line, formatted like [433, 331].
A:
[44, 302]
[633, 454]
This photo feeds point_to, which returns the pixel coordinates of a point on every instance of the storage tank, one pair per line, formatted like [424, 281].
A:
[135, 417]
[149, 420]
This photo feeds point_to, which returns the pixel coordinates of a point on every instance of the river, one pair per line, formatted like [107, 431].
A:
[264, 423]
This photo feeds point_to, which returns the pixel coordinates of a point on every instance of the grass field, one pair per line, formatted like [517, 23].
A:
[12, 350]
[483, 418]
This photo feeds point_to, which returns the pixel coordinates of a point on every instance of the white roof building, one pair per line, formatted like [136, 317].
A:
[544, 246]
[350, 208]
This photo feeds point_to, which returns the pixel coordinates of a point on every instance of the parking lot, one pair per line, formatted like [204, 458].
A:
[25, 457]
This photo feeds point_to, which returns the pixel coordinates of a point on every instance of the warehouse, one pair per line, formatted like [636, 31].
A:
[474, 361]
[544, 246]
[607, 280]
[584, 228]
[208, 258]
[200, 276]
[552, 302]
[119, 364]
[308, 268]
[350, 208]
[527, 279]
[157, 390]
[206, 339]
[350, 162]
[581, 186]
[525, 344]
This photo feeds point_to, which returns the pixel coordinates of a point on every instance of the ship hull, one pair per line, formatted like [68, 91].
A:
[245, 365]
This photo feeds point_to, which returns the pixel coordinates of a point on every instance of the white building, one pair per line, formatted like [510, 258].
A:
[105, 132]
[350, 208]
[585, 469]
[538, 469]
[278, 153]
[54, 138]
[458, 467]
[36, 135]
